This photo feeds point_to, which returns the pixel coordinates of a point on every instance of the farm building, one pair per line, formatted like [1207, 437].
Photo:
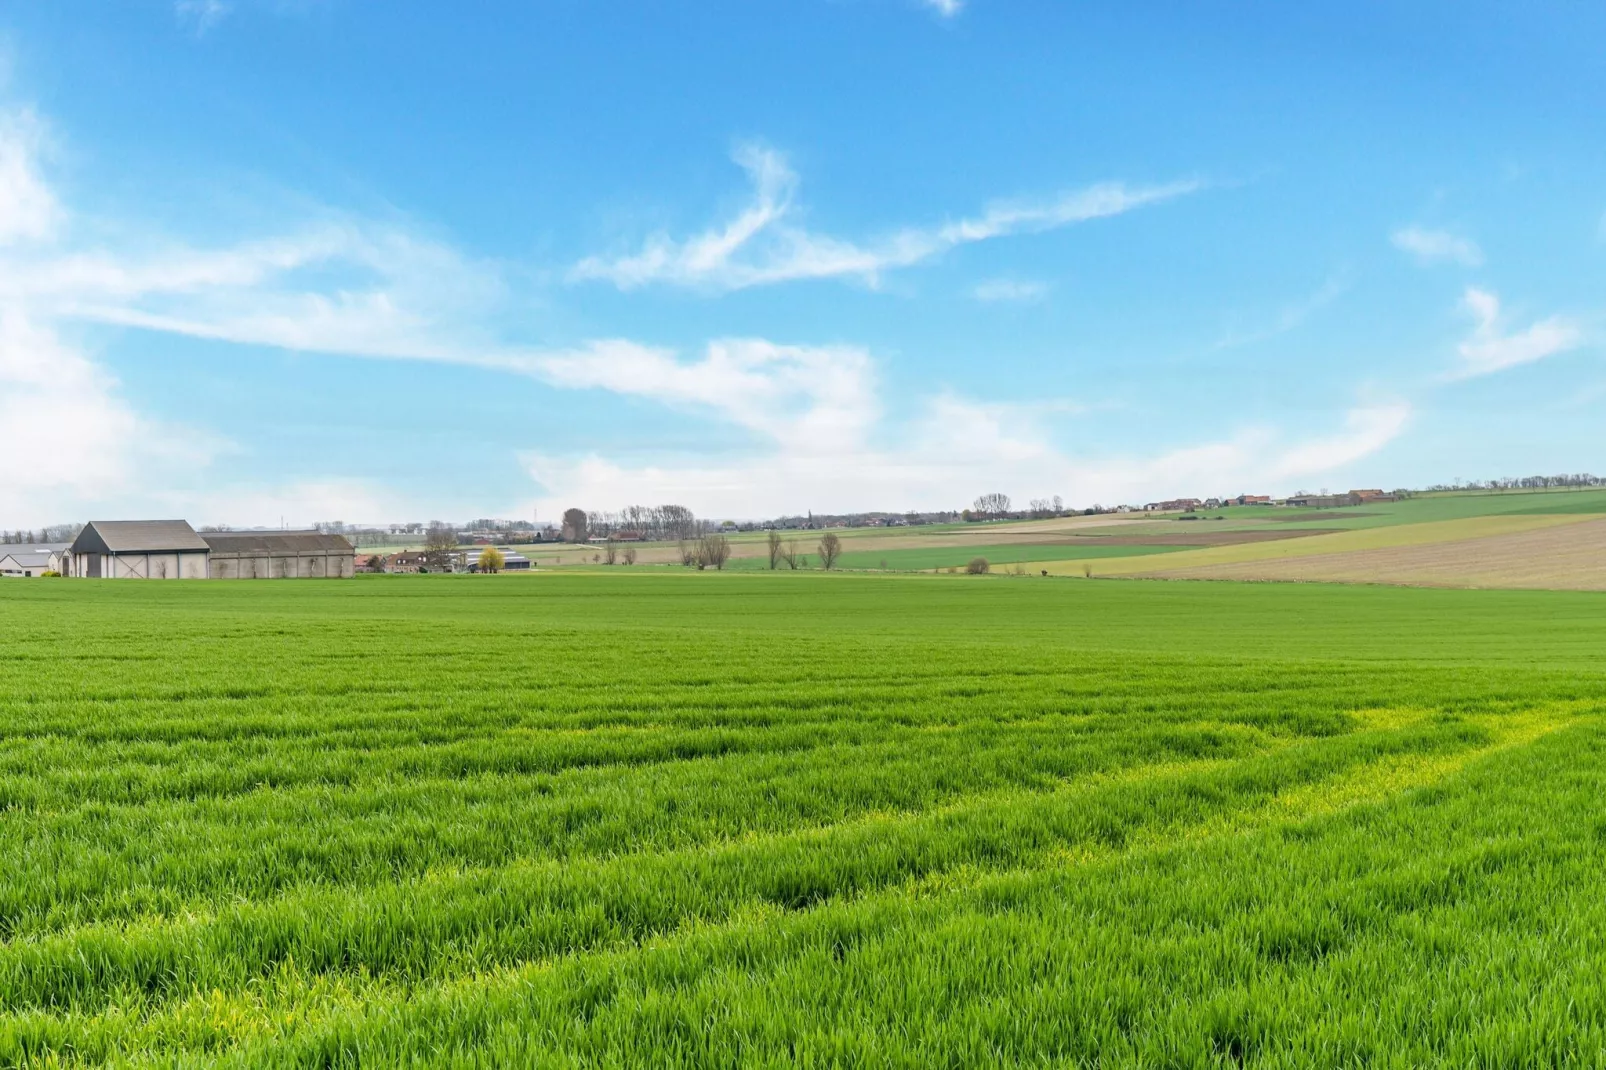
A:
[26, 560]
[512, 561]
[407, 561]
[138, 549]
[172, 550]
[273, 555]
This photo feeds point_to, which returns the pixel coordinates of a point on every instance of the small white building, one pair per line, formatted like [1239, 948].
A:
[138, 550]
[26, 560]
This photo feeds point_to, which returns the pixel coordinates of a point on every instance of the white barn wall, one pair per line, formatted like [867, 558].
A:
[155, 566]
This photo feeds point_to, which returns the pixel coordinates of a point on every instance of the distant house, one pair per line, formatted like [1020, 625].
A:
[27, 560]
[406, 561]
[1373, 495]
[263, 555]
[138, 549]
[1175, 505]
[1324, 501]
[1252, 499]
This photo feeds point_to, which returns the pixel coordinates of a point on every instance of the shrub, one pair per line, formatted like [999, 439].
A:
[50, 573]
[977, 566]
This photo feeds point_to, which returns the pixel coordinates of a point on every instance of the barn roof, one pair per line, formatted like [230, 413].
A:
[137, 536]
[276, 542]
[31, 553]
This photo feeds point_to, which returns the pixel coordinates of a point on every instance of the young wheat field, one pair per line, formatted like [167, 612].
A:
[801, 820]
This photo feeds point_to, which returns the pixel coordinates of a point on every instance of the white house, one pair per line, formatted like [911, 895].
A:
[31, 559]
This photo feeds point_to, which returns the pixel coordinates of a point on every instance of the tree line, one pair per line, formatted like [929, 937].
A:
[1580, 479]
[648, 523]
[53, 533]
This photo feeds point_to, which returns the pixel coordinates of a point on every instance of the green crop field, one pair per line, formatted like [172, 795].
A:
[665, 818]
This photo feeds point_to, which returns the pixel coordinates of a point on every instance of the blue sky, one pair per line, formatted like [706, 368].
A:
[317, 260]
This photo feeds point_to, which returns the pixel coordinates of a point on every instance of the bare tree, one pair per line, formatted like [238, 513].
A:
[688, 553]
[789, 554]
[440, 543]
[629, 554]
[610, 553]
[713, 550]
[775, 549]
[679, 522]
[830, 550]
[977, 567]
[576, 525]
[994, 504]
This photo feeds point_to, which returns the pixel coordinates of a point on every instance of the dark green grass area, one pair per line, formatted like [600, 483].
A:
[923, 560]
[700, 819]
[1572, 502]
[1427, 508]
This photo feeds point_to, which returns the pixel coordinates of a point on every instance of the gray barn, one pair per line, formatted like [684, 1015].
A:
[138, 550]
[273, 555]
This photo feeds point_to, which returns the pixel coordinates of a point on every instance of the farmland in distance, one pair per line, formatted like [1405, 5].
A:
[676, 818]
[1516, 539]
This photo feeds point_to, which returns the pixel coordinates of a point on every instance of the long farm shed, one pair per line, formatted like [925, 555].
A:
[172, 550]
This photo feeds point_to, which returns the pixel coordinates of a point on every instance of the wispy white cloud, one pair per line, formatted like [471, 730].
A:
[764, 244]
[1490, 349]
[341, 286]
[1022, 291]
[1289, 317]
[28, 209]
[789, 393]
[200, 16]
[1430, 246]
[68, 434]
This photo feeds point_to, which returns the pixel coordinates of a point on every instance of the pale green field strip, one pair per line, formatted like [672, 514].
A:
[957, 556]
[1334, 542]
[1561, 557]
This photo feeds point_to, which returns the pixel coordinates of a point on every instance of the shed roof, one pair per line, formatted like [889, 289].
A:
[137, 536]
[31, 555]
[276, 542]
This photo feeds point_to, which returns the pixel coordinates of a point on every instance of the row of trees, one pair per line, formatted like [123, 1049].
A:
[710, 550]
[785, 551]
[650, 523]
[1580, 479]
[54, 533]
[997, 505]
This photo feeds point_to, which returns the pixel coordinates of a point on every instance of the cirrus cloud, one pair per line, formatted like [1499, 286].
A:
[764, 243]
[1429, 246]
[1490, 349]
